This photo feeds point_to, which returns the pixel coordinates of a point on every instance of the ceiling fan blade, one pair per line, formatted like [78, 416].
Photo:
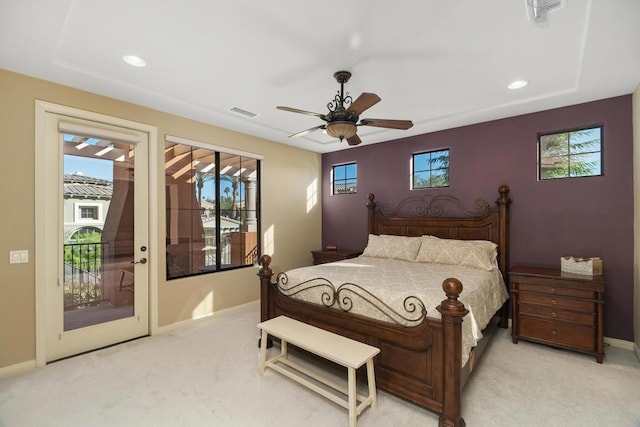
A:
[364, 101]
[296, 110]
[304, 132]
[354, 140]
[385, 123]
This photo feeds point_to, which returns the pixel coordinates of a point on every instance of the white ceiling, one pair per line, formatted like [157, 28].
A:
[438, 63]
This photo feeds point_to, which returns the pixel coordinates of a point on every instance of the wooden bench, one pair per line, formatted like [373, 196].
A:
[341, 350]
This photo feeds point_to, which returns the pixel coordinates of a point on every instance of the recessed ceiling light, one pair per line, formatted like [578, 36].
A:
[517, 84]
[134, 60]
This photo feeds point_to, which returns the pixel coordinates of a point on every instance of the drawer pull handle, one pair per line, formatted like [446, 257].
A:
[554, 332]
[554, 302]
[554, 314]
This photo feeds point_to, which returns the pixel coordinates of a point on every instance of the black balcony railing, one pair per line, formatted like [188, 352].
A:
[83, 275]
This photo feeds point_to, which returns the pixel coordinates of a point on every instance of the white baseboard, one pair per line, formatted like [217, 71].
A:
[188, 322]
[615, 342]
[181, 324]
[18, 368]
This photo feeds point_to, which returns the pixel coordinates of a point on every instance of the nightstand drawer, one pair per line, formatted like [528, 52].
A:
[553, 313]
[553, 289]
[577, 336]
[554, 301]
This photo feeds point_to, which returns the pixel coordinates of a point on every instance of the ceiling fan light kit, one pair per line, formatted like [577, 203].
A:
[341, 130]
[344, 113]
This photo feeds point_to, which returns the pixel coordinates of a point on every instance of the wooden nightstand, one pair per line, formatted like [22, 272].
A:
[324, 256]
[559, 309]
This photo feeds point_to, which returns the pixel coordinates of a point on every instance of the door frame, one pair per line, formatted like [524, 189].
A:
[41, 109]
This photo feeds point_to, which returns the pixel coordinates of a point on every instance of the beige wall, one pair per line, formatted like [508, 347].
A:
[636, 225]
[287, 174]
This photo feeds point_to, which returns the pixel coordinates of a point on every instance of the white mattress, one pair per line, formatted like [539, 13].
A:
[390, 280]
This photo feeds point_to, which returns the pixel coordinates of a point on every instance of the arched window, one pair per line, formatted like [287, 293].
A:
[86, 234]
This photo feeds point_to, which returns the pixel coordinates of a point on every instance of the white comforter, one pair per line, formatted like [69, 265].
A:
[392, 281]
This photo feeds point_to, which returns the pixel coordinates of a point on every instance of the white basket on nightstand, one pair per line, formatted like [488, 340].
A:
[587, 266]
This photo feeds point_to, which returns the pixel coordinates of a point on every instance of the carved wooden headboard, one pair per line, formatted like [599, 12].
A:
[433, 215]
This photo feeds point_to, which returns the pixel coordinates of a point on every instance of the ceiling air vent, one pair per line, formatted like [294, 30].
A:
[243, 112]
[537, 9]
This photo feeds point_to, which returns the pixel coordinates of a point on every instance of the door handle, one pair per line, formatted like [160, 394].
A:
[142, 261]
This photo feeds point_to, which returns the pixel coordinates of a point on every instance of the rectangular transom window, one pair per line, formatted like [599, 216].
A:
[345, 178]
[571, 154]
[430, 169]
[212, 202]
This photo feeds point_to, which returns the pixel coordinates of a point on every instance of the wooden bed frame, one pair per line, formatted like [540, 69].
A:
[420, 363]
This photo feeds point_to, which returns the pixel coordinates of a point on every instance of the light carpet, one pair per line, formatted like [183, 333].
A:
[206, 374]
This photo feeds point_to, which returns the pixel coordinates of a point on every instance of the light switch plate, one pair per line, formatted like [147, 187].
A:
[17, 257]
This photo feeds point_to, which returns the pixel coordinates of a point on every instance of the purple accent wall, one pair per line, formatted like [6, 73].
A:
[590, 216]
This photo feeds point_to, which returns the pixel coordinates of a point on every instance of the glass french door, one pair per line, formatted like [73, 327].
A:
[96, 268]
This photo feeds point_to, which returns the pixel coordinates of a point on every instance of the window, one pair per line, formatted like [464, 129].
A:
[570, 154]
[86, 234]
[89, 212]
[212, 202]
[345, 178]
[430, 169]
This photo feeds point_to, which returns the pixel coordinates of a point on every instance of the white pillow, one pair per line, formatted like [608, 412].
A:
[395, 247]
[470, 253]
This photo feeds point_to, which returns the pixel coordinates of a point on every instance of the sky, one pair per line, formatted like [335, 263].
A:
[95, 168]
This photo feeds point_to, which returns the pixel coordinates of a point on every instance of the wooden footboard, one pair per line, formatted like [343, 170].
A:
[421, 364]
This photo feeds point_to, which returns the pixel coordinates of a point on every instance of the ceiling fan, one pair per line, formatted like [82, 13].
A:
[344, 113]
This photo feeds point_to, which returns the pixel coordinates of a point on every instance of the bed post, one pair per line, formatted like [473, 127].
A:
[452, 312]
[265, 273]
[371, 214]
[503, 203]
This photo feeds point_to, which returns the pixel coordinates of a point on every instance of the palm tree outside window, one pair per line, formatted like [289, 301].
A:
[430, 169]
[212, 216]
[570, 154]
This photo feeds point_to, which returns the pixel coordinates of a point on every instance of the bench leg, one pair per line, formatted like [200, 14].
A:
[263, 351]
[352, 397]
[371, 381]
[269, 342]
